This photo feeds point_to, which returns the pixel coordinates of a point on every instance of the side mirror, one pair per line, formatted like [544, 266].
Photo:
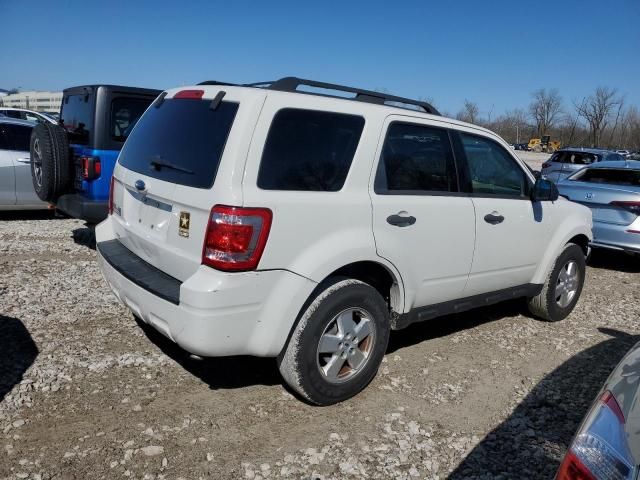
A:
[544, 191]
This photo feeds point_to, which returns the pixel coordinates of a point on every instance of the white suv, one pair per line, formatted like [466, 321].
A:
[280, 220]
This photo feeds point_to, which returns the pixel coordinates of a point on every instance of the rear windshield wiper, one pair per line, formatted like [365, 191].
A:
[157, 163]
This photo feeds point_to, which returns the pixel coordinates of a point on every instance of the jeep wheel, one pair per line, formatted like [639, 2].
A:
[338, 344]
[562, 289]
[51, 168]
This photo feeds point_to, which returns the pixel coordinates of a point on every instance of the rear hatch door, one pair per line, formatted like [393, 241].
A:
[165, 181]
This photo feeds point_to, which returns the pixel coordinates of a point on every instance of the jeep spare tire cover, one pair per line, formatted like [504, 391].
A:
[51, 166]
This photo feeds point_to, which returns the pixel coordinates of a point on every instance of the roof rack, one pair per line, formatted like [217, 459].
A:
[292, 84]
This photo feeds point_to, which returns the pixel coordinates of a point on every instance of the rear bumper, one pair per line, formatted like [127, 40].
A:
[217, 313]
[77, 206]
[615, 237]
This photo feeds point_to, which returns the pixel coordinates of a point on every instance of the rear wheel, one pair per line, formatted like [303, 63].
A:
[562, 289]
[338, 344]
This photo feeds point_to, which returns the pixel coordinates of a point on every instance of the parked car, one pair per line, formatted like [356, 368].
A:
[568, 160]
[276, 222]
[25, 114]
[624, 153]
[16, 189]
[75, 171]
[612, 191]
[607, 444]
[523, 147]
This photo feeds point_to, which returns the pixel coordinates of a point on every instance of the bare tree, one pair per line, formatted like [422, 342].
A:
[469, 112]
[545, 109]
[597, 109]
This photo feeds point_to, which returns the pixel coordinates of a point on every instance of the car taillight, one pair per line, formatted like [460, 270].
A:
[236, 237]
[91, 168]
[633, 207]
[600, 450]
[546, 165]
[111, 186]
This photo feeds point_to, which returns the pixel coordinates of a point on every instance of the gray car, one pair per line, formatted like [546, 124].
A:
[607, 445]
[16, 186]
[612, 191]
[568, 160]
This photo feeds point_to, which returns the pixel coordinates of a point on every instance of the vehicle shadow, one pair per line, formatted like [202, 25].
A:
[219, 372]
[614, 260]
[533, 440]
[28, 215]
[447, 325]
[85, 236]
[18, 351]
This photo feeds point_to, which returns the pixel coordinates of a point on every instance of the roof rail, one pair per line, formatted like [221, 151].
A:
[291, 84]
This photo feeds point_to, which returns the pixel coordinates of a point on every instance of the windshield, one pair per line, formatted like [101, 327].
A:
[181, 141]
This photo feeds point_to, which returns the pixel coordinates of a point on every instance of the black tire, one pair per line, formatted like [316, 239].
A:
[51, 161]
[300, 363]
[545, 305]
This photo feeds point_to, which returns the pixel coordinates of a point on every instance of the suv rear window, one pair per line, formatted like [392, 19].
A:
[77, 117]
[610, 176]
[181, 141]
[309, 150]
[125, 112]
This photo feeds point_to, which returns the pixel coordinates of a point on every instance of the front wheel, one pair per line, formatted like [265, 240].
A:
[338, 344]
[562, 289]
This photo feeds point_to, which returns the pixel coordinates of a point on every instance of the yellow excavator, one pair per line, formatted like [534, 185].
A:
[544, 144]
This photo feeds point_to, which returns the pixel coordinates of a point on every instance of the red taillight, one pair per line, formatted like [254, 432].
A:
[91, 168]
[111, 185]
[236, 237]
[633, 207]
[546, 165]
[190, 94]
[599, 450]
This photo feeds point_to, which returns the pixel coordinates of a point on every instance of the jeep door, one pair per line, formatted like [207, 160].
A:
[421, 222]
[511, 231]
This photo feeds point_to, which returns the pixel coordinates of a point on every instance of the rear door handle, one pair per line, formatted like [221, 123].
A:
[493, 218]
[401, 220]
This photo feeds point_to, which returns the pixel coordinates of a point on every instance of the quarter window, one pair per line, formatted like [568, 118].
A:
[416, 158]
[309, 150]
[492, 170]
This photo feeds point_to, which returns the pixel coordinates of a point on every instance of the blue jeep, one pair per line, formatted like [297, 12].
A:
[72, 163]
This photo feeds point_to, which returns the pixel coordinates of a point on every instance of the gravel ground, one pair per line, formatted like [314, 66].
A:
[86, 392]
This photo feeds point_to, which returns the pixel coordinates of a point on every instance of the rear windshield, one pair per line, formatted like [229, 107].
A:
[181, 141]
[610, 176]
[77, 117]
[125, 112]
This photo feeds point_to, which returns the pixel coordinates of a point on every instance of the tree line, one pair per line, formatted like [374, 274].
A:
[601, 119]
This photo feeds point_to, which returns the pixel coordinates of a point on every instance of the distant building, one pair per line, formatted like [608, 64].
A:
[33, 100]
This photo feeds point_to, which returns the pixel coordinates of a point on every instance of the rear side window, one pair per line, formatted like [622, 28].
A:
[609, 176]
[579, 158]
[181, 141]
[309, 150]
[19, 137]
[125, 112]
[77, 118]
[416, 158]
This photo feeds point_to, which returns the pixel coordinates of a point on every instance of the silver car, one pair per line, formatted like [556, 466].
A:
[568, 160]
[612, 191]
[16, 186]
[607, 444]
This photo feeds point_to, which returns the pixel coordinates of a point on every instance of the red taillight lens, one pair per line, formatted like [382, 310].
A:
[190, 94]
[111, 186]
[236, 237]
[91, 168]
[633, 207]
[600, 450]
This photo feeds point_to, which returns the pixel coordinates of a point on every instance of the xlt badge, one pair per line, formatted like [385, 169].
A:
[183, 227]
